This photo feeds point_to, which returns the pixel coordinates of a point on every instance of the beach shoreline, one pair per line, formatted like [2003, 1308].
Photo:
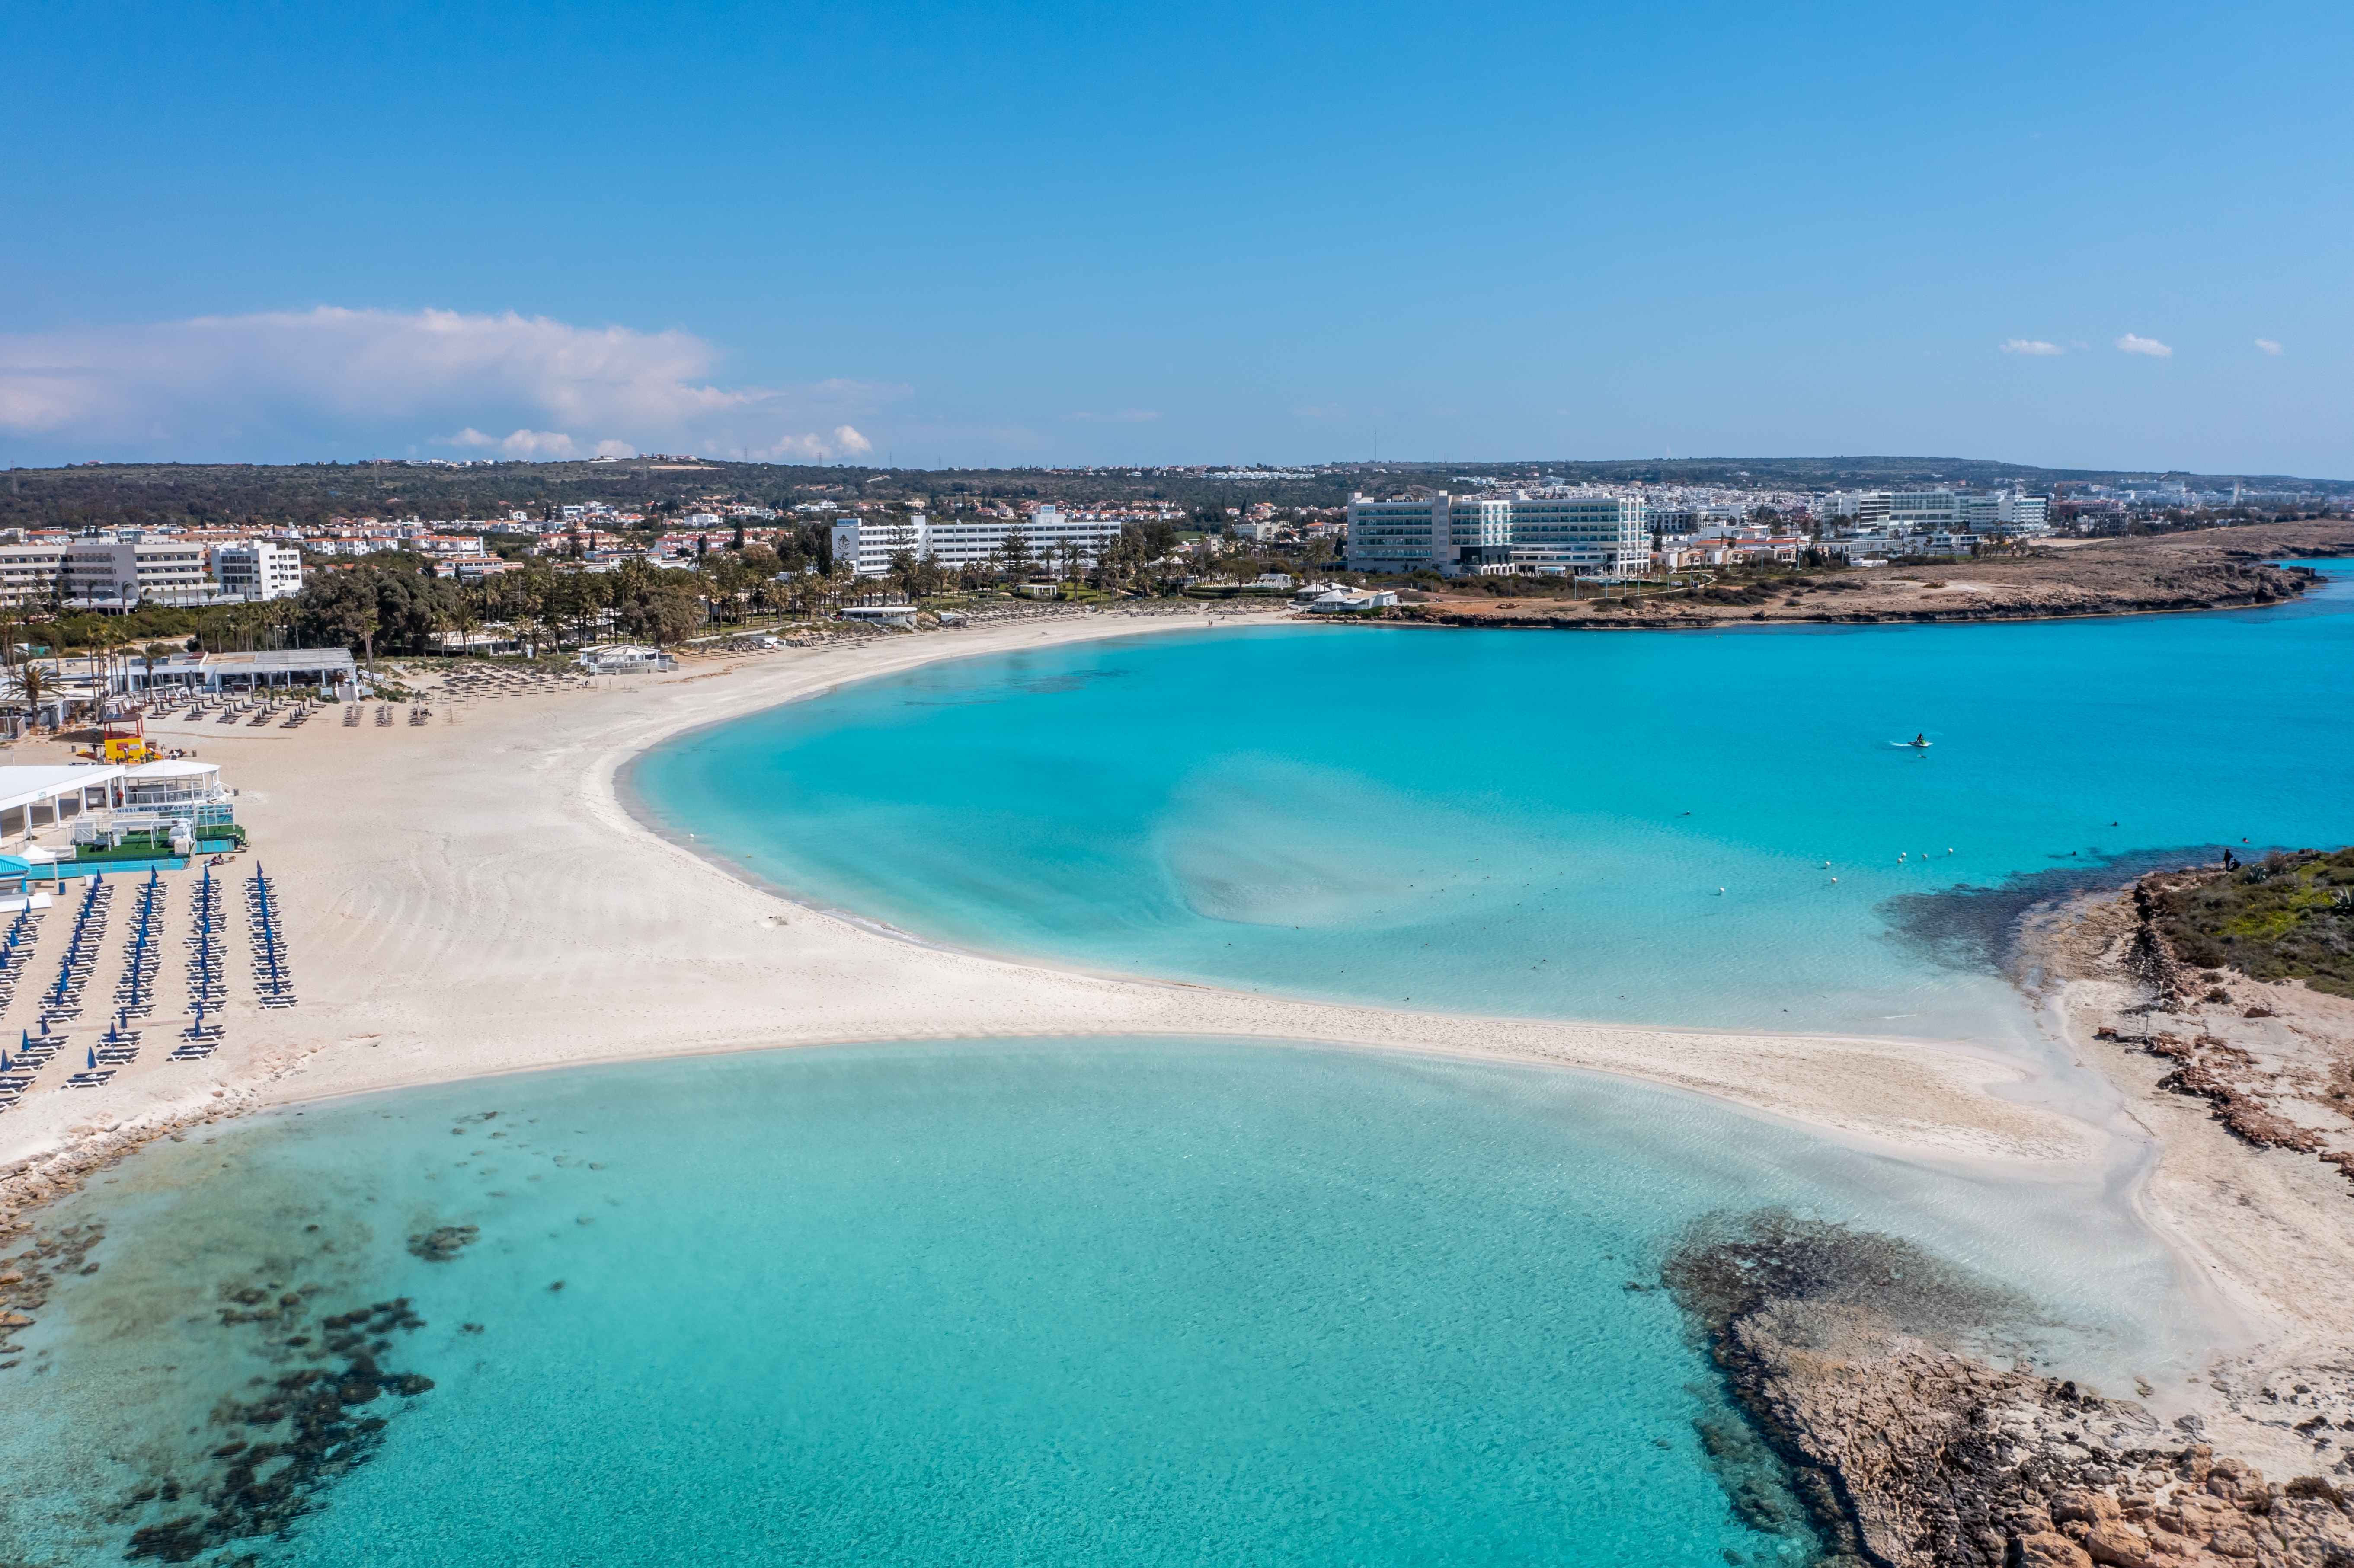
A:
[479, 896]
[296, 793]
[482, 897]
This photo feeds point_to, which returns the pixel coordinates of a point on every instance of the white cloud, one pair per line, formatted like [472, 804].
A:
[311, 383]
[2268, 345]
[527, 443]
[2034, 345]
[2129, 344]
[842, 441]
[1319, 411]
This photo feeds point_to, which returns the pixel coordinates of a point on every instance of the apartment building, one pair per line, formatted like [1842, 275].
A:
[1544, 532]
[256, 569]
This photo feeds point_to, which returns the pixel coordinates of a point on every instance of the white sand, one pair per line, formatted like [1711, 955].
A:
[474, 898]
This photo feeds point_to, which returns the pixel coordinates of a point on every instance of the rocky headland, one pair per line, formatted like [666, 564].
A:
[1888, 1382]
[2226, 568]
[1873, 1373]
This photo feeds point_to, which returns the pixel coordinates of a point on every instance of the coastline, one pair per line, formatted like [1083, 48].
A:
[480, 897]
[2212, 570]
[2271, 1228]
[659, 951]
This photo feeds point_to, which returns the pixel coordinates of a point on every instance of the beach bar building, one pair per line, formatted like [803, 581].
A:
[260, 670]
[33, 798]
[182, 787]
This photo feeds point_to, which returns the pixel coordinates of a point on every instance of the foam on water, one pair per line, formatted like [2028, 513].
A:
[1071, 1302]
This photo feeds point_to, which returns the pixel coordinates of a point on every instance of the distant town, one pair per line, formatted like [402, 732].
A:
[110, 543]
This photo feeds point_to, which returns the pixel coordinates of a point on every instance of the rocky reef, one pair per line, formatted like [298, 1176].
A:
[289, 1437]
[26, 1278]
[1868, 1366]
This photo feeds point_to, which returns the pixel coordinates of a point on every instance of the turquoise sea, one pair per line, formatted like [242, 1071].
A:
[1602, 826]
[1082, 1302]
[1050, 1303]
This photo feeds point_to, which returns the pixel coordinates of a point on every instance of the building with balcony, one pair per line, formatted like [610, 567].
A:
[869, 543]
[256, 570]
[1544, 532]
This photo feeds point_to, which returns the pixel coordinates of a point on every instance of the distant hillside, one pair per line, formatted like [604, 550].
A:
[224, 493]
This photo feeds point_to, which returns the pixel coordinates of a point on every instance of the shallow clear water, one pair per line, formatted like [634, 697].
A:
[1524, 823]
[1070, 1302]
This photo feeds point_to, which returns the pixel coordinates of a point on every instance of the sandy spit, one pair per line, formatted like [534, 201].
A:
[475, 897]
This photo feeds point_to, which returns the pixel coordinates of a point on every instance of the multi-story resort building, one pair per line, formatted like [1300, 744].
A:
[1926, 511]
[869, 544]
[120, 575]
[1547, 533]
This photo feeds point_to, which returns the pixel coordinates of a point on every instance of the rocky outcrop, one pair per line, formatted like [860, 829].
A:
[1916, 1454]
[2289, 1088]
[2116, 578]
[2153, 957]
[29, 1183]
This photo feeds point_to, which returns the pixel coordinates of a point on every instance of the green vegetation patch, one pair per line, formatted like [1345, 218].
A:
[2287, 917]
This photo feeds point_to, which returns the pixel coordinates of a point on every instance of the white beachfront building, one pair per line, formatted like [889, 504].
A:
[45, 796]
[958, 541]
[330, 669]
[1544, 532]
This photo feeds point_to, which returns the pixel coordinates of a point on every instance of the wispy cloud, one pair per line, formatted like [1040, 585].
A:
[2268, 345]
[2034, 345]
[1321, 411]
[2129, 344]
[1124, 416]
[309, 383]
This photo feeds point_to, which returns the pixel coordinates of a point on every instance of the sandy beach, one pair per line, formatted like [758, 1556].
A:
[475, 897]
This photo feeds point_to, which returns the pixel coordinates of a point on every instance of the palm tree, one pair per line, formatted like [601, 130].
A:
[27, 678]
[150, 655]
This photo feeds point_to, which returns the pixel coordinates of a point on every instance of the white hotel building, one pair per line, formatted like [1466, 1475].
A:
[121, 575]
[1537, 533]
[1912, 512]
[868, 544]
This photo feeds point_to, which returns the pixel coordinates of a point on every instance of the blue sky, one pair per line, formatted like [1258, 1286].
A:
[991, 236]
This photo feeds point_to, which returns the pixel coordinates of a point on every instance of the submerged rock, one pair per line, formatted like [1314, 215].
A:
[443, 1244]
[303, 1430]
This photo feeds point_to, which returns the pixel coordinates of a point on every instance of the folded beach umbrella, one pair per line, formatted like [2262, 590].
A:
[93, 1059]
